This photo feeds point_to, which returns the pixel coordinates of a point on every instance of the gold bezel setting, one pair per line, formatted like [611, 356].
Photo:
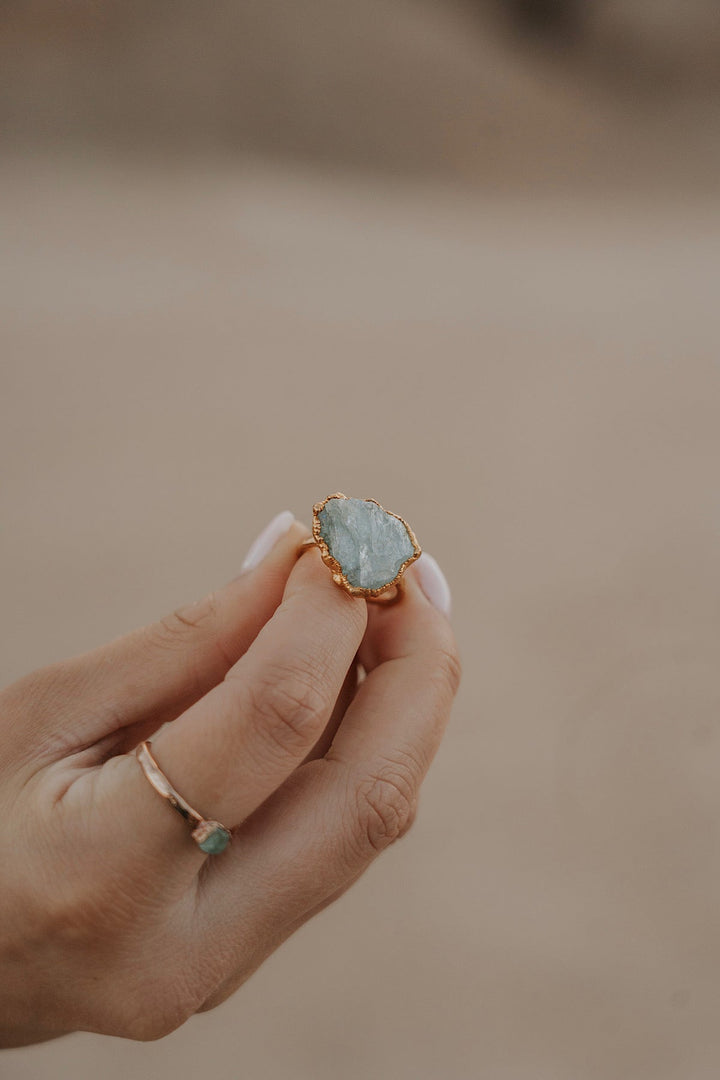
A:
[337, 570]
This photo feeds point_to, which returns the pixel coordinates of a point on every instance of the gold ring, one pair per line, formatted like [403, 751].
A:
[367, 548]
[210, 836]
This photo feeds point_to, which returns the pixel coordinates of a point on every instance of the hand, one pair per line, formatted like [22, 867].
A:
[111, 918]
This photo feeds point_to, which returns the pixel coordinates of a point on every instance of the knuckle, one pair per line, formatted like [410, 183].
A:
[83, 922]
[194, 615]
[174, 628]
[167, 635]
[386, 807]
[290, 708]
[186, 627]
[150, 1004]
[156, 1020]
[448, 669]
[69, 918]
[148, 1021]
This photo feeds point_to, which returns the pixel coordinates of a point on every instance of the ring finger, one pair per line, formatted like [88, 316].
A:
[233, 748]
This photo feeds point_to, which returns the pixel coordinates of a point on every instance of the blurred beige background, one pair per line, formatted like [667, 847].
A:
[492, 308]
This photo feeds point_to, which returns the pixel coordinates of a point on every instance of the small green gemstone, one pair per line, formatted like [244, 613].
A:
[216, 842]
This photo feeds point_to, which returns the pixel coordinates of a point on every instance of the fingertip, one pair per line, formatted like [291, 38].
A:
[433, 583]
[276, 529]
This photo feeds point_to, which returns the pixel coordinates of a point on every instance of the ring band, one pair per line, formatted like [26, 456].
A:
[367, 547]
[210, 836]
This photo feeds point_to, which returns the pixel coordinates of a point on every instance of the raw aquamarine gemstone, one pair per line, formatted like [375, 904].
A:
[369, 543]
[216, 842]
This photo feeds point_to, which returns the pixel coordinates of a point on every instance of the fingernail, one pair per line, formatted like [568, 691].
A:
[433, 583]
[267, 539]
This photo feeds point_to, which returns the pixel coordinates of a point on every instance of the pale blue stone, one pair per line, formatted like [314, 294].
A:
[216, 842]
[370, 544]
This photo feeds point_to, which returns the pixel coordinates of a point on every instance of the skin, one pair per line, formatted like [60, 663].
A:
[111, 918]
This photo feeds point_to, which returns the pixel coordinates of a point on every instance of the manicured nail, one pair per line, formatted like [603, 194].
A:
[267, 539]
[433, 583]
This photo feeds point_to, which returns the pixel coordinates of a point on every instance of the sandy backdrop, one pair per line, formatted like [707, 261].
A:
[533, 382]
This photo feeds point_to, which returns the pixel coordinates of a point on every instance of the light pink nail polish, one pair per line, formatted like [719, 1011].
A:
[267, 539]
[433, 583]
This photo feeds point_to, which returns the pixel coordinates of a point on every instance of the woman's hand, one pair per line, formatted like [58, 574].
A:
[111, 918]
